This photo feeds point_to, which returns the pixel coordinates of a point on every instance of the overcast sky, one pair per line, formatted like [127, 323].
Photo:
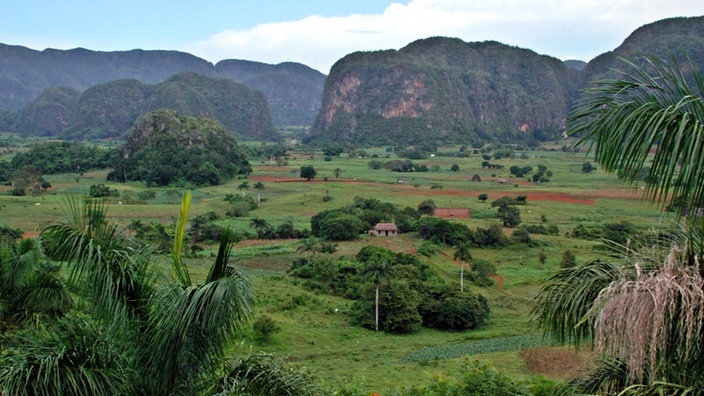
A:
[319, 32]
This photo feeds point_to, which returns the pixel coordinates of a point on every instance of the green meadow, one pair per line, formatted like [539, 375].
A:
[315, 331]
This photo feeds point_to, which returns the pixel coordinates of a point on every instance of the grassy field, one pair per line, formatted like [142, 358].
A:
[315, 332]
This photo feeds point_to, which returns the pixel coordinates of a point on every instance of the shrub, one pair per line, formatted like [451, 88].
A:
[101, 191]
[482, 379]
[568, 259]
[427, 207]
[481, 272]
[308, 172]
[264, 327]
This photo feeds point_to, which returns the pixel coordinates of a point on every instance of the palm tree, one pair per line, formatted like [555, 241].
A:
[311, 244]
[193, 324]
[377, 271]
[261, 225]
[173, 334]
[244, 186]
[464, 256]
[30, 286]
[643, 315]
[259, 186]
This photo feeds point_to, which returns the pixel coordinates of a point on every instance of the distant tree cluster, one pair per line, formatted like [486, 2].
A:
[64, 157]
[26, 169]
[449, 233]
[349, 222]
[405, 166]
[410, 294]
[285, 230]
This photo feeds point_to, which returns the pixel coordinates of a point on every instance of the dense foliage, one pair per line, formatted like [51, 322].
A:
[450, 233]
[107, 324]
[411, 294]
[363, 214]
[64, 157]
[165, 147]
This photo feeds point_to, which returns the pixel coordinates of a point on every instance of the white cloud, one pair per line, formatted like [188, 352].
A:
[564, 29]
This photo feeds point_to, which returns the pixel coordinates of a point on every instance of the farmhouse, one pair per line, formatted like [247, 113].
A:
[384, 229]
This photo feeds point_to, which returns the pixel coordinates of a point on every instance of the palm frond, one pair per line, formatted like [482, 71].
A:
[196, 324]
[217, 270]
[177, 265]
[45, 293]
[73, 357]
[625, 118]
[655, 322]
[102, 265]
[565, 299]
[267, 374]
[605, 377]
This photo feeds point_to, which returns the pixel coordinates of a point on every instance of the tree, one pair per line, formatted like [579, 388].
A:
[587, 167]
[244, 186]
[377, 271]
[261, 226]
[643, 315]
[510, 216]
[482, 197]
[464, 256]
[427, 207]
[311, 245]
[455, 168]
[30, 286]
[308, 172]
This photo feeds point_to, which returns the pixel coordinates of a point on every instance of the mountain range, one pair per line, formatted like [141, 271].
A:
[433, 90]
[293, 90]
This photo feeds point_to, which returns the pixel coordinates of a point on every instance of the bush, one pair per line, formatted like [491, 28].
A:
[482, 379]
[101, 191]
[568, 259]
[427, 207]
[264, 327]
[336, 225]
[481, 272]
[308, 172]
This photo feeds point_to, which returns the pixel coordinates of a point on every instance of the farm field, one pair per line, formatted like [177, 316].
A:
[315, 331]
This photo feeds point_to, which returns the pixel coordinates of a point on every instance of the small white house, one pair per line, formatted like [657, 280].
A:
[384, 229]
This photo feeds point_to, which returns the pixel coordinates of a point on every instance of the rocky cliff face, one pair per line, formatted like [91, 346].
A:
[441, 88]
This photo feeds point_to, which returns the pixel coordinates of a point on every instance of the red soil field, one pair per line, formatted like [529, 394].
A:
[404, 189]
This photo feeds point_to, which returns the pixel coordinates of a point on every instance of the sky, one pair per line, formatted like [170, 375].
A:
[319, 32]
